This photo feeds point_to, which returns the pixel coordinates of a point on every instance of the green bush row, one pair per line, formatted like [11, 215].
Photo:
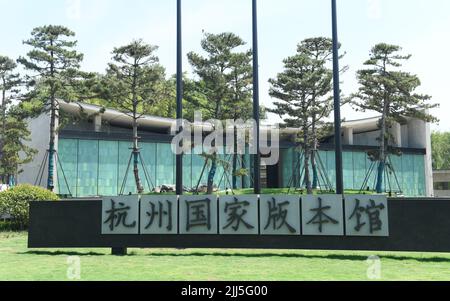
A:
[15, 202]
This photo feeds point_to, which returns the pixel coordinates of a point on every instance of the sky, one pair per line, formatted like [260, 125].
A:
[421, 27]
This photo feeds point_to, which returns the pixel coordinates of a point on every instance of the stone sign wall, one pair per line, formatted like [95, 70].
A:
[322, 215]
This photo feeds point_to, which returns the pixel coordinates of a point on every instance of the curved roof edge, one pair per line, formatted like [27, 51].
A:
[117, 118]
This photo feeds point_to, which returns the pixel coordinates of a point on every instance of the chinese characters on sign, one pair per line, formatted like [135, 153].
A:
[366, 215]
[280, 215]
[159, 214]
[322, 215]
[198, 214]
[120, 215]
[238, 215]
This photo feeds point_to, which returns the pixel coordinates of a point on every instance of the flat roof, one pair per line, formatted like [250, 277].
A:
[117, 118]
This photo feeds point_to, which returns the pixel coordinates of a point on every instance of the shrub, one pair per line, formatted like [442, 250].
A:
[15, 202]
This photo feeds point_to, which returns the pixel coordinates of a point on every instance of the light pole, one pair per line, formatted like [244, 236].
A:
[256, 117]
[337, 103]
[179, 160]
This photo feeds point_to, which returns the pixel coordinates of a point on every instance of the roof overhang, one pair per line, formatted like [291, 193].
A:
[120, 119]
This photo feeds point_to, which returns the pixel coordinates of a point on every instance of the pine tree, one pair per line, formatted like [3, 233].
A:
[134, 80]
[55, 67]
[9, 86]
[303, 90]
[15, 151]
[222, 83]
[387, 90]
[240, 103]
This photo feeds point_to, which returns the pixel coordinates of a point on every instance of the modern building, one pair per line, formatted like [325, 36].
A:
[93, 156]
[441, 180]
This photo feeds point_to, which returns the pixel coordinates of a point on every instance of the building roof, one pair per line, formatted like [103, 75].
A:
[117, 118]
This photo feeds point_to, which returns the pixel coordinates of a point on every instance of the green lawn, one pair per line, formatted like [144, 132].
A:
[19, 263]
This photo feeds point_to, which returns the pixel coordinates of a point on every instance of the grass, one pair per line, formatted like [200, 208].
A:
[19, 263]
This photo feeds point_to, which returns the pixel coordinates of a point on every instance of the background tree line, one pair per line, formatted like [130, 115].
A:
[135, 83]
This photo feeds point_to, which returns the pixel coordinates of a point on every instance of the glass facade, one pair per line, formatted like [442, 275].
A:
[409, 169]
[98, 167]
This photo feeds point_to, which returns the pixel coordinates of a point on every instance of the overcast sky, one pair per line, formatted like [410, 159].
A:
[421, 27]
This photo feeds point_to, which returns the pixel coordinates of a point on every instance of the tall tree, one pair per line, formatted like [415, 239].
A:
[387, 90]
[134, 80]
[303, 90]
[441, 150]
[9, 86]
[55, 65]
[240, 103]
[15, 150]
[221, 82]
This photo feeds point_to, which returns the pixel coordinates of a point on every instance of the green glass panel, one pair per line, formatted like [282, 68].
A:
[287, 166]
[108, 172]
[198, 163]
[359, 169]
[397, 175]
[165, 165]
[372, 170]
[347, 158]
[408, 175]
[331, 166]
[124, 163]
[246, 165]
[419, 170]
[187, 171]
[67, 151]
[87, 168]
[148, 155]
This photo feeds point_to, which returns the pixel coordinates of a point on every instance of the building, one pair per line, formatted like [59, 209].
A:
[441, 180]
[94, 155]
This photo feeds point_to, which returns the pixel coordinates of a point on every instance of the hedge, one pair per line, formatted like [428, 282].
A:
[15, 202]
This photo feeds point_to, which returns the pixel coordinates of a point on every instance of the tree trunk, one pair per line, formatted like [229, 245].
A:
[51, 148]
[51, 151]
[212, 174]
[309, 189]
[136, 152]
[244, 184]
[4, 108]
[315, 182]
[382, 159]
[235, 159]
[3, 130]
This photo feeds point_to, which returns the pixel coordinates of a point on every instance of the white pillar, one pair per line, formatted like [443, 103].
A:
[98, 123]
[348, 136]
[396, 132]
[419, 136]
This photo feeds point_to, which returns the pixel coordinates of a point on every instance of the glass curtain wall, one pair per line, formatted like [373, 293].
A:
[99, 168]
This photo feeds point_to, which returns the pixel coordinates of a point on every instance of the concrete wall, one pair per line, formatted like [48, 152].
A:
[40, 137]
[414, 134]
[419, 136]
[441, 176]
[415, 225]
[369, 138]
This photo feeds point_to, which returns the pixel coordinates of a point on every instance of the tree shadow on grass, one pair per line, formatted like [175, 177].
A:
[304, 256]
[247, 255]
[62, 253]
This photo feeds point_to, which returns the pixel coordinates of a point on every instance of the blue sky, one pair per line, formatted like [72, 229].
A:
[421, 27]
